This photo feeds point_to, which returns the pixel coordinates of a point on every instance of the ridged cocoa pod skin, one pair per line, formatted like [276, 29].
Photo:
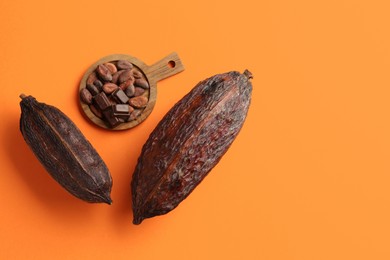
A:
[64, 151]
[188, 142]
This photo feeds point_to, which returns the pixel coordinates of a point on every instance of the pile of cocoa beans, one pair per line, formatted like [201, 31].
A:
[116, 92]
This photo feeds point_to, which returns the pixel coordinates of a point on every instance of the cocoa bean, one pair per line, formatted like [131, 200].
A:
[126, 75]
[116, 76]
[103, 73]
[130, 91]
[138, 91]
[142, 83]
[124, 65]
[124, 85]
[138, 102]
[86, 96]
[137, 74]
[91, 78]
[111, 67]
[108, 88]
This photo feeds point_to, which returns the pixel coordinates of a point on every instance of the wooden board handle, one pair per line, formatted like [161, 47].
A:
[166, 67]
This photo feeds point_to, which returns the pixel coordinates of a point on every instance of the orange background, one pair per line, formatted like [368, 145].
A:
[307, 178]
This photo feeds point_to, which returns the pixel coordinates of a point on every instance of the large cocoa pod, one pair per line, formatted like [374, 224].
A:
[64, 151]
[188, 142]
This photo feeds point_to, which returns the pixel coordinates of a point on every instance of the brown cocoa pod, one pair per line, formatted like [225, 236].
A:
[104, 73]
[124, 65]
[138, 102]
[188, 142]
[64, 151]
[108, 88]
[86, 96]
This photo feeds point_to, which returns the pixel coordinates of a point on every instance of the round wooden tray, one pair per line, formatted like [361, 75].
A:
[166, 67]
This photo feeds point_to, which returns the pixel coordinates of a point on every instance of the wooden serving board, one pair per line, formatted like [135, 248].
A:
[166, 67]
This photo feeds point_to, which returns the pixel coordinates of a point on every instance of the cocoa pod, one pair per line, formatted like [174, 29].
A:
[64, 151]
[188, 142]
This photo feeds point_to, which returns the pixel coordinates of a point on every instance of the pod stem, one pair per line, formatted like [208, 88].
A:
[22, 96]
[248, 74]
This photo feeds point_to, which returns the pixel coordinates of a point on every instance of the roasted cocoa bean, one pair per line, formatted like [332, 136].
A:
[91, 78]
[126, 75]
[86, 96]
[116, 76]
[142, 83]
[98, 84]
[124, 85]
[64, 151]
[97, 112]
[135, 114]
[138, 102]
[103, 73]
[93, 89]
[124, 65]
[137, 74]
[188, 142]
[111, 67]
[108, 88]
[138, 91]
[130, 91]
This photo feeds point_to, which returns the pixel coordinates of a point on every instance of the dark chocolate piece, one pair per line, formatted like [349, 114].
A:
[102, 101]
[121, 111]
[120, 96]
[110, 118]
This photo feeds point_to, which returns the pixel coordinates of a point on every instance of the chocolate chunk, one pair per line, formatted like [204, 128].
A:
[110, 118]
[120, 96]
[121, 111]
[102, 102]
